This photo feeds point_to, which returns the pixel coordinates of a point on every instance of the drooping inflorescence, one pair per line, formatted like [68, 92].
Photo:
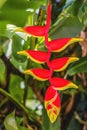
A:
[52, 101]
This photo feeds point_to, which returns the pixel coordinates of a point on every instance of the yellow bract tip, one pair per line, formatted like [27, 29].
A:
[22, 53]
[73, 85]
[19, 30]
[27, 71]
[76, 40]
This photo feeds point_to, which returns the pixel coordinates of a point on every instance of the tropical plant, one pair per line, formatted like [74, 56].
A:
[43, 31]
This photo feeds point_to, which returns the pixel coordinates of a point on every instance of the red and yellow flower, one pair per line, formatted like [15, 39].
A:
[52, 100]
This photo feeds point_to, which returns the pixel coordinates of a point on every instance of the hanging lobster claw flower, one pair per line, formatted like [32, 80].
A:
[61, 63]
[59, 45]
[52, 103]
[40, 31]
[36, 56]
[61, 84]
[38, 73]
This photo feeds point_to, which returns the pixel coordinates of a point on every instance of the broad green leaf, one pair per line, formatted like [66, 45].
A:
[74, 125]
[16, 12]
[68, 24]
[78, 67]
[80, 15]
[68, 3]
[83, 13]
[2, 73]
[47, 125]
[85, 20]
[19, 121]
[85, 7]
[18, 64]
[17, 45]
[10, 123]
[16, 87]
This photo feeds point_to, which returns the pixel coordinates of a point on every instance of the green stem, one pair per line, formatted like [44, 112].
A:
[3, 101]
[25, 90]
[14, 100]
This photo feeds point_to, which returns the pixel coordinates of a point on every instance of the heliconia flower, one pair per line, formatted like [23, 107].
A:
[61, 63]
[61, 84]
[38, 73]
[34, 55]
[59, 45]
[52, 103]
[40, 31]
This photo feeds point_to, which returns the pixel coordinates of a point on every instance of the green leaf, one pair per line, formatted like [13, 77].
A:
[83, 13]
[78, 67]
[74, 125]
[2, 2]
[16, 87]
[10, 123]
[68, 24]
[17, 45]
[47, 125]
[18, 64]
[85, 7]
[16, 12]
[19, 121]
[68, 3]
[2, 72]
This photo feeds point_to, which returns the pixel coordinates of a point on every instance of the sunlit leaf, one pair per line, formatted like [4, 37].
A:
[78, 66]
[16, 87]
[10, 122]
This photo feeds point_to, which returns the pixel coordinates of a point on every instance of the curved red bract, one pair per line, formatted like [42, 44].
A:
[38, 73]
[61, 84]
[61, 63]
[39, 56]
[35, 30]
[52, 103]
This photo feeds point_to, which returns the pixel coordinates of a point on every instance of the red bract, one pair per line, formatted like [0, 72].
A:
[52, 103]
[59, 45]
[61, 84]
[61, 63]
[38, 73]
[52, 97]
[35, 30]
[36, 56]
[40, 31]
